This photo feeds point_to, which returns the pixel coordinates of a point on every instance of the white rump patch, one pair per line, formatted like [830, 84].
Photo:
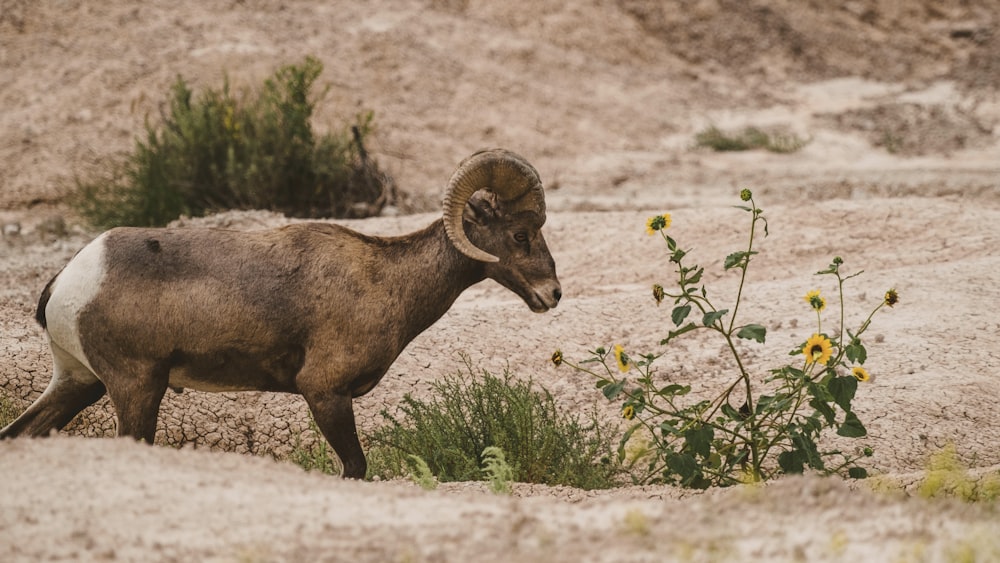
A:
[76, 286]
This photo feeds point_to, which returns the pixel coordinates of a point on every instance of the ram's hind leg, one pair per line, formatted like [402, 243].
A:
[136, 389]
[72, 388]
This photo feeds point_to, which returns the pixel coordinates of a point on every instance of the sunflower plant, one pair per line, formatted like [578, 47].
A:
[757, 425]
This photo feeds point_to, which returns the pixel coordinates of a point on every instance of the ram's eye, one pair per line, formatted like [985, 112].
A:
[521, 237]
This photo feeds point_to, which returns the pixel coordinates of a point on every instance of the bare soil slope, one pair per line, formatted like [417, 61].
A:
[901, 177]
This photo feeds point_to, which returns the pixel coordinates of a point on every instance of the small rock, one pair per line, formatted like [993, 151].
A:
[11, 230]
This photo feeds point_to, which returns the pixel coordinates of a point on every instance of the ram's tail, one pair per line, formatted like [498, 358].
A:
[43, 301]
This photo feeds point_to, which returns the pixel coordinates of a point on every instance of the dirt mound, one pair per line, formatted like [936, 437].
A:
[914, 129]
[130, 502]
[794, 40]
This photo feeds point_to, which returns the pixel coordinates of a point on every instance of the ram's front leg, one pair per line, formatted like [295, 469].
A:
[334, 414]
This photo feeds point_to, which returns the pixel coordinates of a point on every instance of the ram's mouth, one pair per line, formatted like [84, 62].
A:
[539, 304]
[538, 308]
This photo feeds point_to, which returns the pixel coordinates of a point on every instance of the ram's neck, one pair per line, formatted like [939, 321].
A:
[429, 275]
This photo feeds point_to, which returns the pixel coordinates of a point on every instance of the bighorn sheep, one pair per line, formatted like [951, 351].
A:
[310, 308]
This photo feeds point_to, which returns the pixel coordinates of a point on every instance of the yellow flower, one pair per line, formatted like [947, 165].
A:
[557, 358]
[860, 373]
[815, 301]
[657, 223]
[818, 349]
[628, 413]
[891, 297]
[622, 358]
[658, 293]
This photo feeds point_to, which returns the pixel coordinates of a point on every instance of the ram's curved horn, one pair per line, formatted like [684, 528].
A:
[508, 175]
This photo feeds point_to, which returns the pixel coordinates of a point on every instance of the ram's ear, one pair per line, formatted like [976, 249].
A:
[482, 208]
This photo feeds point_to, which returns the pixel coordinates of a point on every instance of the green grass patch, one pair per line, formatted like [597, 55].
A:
[457, 431]
[253, 150]
[946, 476]
[421, 474]
[748, 138]
[9, 409]
[499, 474]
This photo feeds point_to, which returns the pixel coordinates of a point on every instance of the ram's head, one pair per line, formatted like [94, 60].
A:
[494, 210]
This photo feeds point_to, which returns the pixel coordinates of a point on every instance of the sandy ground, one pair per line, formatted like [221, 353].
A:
[901, 178]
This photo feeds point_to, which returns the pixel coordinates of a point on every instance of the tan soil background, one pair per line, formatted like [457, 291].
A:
[901, 177]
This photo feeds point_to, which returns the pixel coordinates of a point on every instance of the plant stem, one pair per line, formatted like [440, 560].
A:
[840, 288]
[745, 266]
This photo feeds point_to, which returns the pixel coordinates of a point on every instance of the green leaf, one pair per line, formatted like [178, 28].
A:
[857, 473]
[762, 402]
[752, 332]
[852, 427]
[824, 409]
[685, 466]
[738, 259]
[667, 428]
[677, 256]
[819, 391]
[674, 389]
[790, 374]
[811, 425]
[792, 461]
[806, 447]
[675, 333]
[731, 412]
[699, 440]
[696, 277]
[671, 243]
[856, 352]
[796, 372]
[733, 260]
[843, 390]
[613, 390]
[833, 268]
[711, 317]
[625, 439]
[679, 314]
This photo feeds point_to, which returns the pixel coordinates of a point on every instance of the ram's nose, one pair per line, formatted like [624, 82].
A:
[547, 297]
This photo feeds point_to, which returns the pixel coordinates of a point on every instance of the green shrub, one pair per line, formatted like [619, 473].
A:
[748, 138]
[254, 151]
[470, 413]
